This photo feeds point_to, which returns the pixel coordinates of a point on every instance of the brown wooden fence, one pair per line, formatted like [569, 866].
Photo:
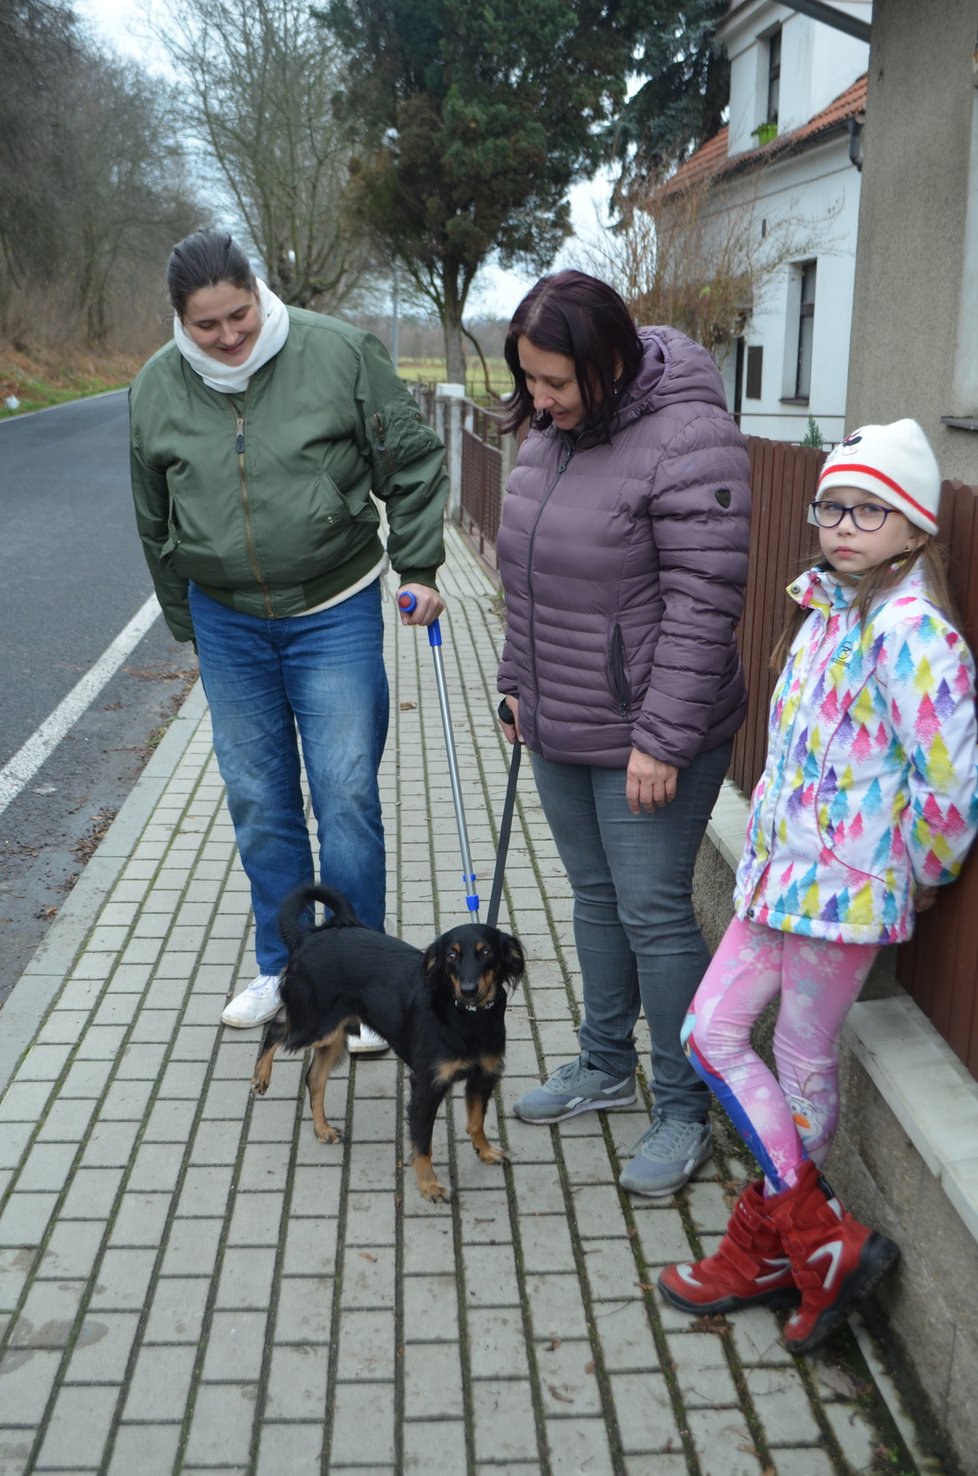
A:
[940, 967]
[483, 478]
[782, 543]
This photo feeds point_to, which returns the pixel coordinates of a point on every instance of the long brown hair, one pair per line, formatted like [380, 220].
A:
[875, 583]
[586, 320]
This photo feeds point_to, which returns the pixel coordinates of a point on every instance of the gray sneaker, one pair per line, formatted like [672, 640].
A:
[666, 1157]
[572, 1089]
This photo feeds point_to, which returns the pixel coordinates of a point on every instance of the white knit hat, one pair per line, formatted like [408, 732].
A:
[894, 463]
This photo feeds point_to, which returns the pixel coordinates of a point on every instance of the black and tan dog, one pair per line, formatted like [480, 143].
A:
[442, 1010]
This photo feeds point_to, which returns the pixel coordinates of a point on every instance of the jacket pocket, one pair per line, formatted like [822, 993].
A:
[401, 435]
[618, 671]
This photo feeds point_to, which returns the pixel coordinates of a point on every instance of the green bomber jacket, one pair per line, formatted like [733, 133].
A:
[263, 498]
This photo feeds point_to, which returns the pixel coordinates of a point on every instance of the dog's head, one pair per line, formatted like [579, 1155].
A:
[475, 962]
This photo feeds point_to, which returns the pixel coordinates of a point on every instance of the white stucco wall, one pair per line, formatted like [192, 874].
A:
[817, 63]
[808, 207]
[818, 195]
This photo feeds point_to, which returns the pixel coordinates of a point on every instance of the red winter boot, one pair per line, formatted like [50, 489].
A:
[749, 1267]
[834, 1259]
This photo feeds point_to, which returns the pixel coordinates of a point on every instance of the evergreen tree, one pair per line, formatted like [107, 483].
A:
[681, 102]
[480, 121]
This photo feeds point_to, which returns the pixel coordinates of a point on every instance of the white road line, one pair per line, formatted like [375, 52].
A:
[41, 744]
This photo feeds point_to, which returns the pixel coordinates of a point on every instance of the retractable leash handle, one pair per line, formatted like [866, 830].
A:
[408, 602]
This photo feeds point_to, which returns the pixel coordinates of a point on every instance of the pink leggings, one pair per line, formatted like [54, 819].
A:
[787, 1118]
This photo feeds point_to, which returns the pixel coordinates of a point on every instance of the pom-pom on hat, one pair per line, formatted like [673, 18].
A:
[892, 462]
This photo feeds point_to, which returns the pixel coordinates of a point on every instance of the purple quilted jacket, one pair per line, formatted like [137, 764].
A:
[623, 567]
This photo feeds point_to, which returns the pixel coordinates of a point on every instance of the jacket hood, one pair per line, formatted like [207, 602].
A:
[674, 371]
[673, 368]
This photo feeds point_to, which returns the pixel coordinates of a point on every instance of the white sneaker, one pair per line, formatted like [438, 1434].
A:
[367, 1043]
[256, 1004]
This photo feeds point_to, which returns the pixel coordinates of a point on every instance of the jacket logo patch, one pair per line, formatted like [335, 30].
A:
[722, 495]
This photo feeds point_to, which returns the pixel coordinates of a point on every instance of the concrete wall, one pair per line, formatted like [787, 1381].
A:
[928, 1300]
[910, 321]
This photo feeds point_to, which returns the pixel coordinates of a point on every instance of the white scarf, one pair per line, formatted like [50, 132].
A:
[232, 378]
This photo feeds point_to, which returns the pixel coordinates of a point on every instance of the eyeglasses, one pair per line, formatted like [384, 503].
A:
[868, 517]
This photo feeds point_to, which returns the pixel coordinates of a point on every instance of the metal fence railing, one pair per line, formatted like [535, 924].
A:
[486, 462]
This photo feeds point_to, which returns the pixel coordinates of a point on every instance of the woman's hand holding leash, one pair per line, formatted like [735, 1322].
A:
[508, 713]
[649, 783]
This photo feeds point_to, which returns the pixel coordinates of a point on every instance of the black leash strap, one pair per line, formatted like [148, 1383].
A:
[506, 822]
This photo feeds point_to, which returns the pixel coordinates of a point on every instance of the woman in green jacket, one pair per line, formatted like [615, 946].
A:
[261, 439]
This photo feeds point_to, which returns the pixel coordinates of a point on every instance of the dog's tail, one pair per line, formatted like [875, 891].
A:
[295, 918]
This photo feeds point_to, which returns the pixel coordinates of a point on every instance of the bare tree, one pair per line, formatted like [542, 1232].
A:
[130, 198]
[697, 258]
[260, 77]
[92, 181]
[38, 54]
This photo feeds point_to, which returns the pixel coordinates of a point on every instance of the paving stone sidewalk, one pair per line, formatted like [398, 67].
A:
[190, 1282]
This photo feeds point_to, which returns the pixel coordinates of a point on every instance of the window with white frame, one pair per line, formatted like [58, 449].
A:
[806, 330]
[773, 77]
[799, 322]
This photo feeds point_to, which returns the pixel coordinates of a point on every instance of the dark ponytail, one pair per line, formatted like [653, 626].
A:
[203, 260]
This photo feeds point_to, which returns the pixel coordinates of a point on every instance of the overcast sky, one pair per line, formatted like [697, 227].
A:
[116, 23]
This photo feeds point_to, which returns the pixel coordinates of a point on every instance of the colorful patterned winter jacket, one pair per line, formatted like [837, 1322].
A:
[870, 789]
[624, 567]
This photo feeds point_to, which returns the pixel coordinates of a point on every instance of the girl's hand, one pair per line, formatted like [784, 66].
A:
[924, 897]
[511, 730]
[428, 607]
[649, 783]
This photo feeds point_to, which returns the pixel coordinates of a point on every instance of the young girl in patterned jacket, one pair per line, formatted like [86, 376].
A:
[866, 805]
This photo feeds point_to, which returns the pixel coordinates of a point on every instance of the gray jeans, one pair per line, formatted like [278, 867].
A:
[638, 942]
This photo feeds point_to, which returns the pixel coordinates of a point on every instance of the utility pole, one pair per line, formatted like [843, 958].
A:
[395, 321]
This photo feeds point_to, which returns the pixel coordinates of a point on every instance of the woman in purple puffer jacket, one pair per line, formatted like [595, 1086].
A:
[623, 556]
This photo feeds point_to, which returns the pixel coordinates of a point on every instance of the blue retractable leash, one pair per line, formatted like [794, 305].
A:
[408, 602]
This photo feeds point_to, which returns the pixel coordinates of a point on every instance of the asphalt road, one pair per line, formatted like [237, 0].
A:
[72, 577]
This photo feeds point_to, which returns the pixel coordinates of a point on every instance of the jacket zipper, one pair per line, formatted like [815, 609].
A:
[249, 532]
[562, 466]
[619, 669]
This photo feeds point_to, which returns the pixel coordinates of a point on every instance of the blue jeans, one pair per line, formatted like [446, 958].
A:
[638, 942]
[271, 684]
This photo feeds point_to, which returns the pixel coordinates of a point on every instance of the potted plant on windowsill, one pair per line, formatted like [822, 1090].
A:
[765, 133]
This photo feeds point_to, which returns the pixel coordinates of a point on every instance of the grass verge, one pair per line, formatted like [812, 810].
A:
[36, 378]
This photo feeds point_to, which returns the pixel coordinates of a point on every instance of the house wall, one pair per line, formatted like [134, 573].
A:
[810, 204]
[814, 58]
[790, 211]
[914, 343]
